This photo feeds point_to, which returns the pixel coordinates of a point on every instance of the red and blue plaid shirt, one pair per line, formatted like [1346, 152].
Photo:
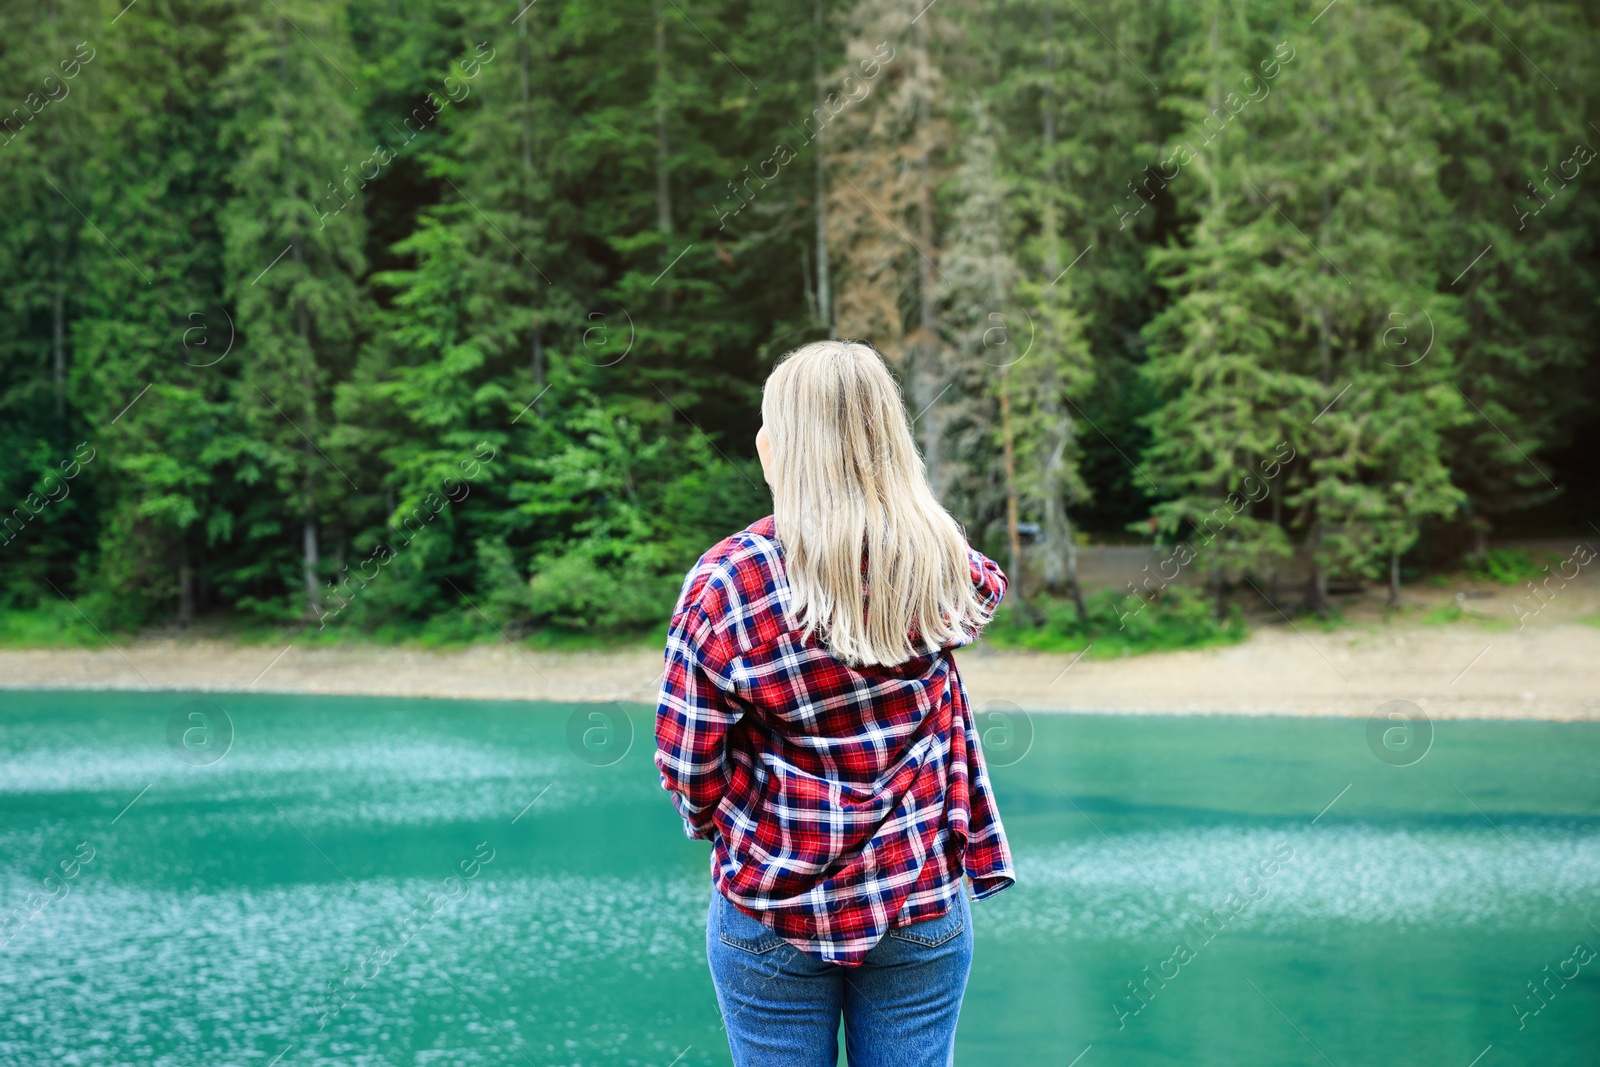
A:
[840, 801]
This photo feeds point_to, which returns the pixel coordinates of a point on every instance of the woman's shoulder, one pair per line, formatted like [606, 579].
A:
[736, 566]
[733, 597]
[757, 542]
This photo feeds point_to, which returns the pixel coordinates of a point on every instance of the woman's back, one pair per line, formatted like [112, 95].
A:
[840, 799]
[813, 726]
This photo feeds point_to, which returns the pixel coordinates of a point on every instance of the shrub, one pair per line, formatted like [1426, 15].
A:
[1117, 625]
[1508, 566]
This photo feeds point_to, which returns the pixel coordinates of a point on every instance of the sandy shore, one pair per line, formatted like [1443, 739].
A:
[1462, 670]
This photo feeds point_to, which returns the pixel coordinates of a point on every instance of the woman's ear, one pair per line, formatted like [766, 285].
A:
[764, 453]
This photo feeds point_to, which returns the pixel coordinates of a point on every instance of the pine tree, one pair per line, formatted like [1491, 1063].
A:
[587, 231]
[1068, 155]
[1273, 346]
[156, 343]
[980, 278]
[503, 329]
[292, 234]
[1517, 247]
[881, 207]
[44, 176]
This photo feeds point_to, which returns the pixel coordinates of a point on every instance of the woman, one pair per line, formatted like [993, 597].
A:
[813, 727]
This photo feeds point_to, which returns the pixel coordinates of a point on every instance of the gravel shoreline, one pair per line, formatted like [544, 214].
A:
[1461, 670]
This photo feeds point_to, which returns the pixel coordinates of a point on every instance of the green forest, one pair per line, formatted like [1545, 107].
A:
[450, 317]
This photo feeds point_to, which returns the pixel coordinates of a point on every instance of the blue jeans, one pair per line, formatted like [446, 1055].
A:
[782, 1007]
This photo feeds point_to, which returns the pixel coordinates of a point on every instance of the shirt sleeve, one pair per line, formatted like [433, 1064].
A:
[988, 586]
[696, 709]
[989, 582]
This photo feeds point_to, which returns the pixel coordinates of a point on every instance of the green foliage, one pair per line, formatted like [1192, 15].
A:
[1446, 614]
[302, 272]
[1510, 566]
[1275, 338]
[53, 624]
[1179, 618]
[1443, 615]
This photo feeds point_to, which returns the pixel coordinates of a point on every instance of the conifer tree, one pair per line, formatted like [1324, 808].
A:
[45, 134]
[1349, 295]
[292, 236]
[881, 207]
[1273, 349]
[980, 279]
[1076, 121]
[1515, 131]
[157, 342]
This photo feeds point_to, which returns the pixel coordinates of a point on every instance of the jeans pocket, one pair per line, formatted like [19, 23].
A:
[936, 931]
[739, 930]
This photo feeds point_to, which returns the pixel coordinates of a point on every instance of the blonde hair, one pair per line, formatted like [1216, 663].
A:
[847, 479]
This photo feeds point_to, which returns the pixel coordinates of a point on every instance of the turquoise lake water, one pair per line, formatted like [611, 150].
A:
[379, 881]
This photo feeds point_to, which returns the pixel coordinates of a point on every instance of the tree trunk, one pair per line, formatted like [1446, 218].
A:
[1060, 548]
[1070, 540]
[806, 288]
[923, 355]
[1317, 595]
[536, 363]
[527, 136]
[663, 176]
[1277, 520]
[185, 585]
[202, 591]
[924, 347]
[308, 544]
[1394, 580]
[58, 342]
[308, 525]
[1317, 588]
[536, 359]
[1013, 537]
[824, 298]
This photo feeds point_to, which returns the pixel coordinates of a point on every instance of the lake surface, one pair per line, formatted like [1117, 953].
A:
[379, 881]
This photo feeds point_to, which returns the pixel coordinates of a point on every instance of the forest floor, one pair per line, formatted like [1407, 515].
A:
[1455, 649]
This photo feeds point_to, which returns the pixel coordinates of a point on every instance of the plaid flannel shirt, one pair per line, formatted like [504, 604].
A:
[840, 801]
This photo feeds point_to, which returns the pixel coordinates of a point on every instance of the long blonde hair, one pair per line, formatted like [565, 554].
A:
[846, 479]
